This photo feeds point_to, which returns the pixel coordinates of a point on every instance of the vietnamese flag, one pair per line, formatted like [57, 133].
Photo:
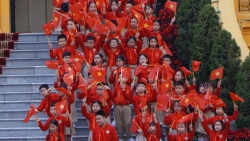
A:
[166, 85]
[51, 64]
[186, 118]
[169, 70]
[138, 8]
[30, 113]
[137, 15]
[91, 22]
[201, 103]
[217, 73]
[138, 70]
[235, 97]
[196, 65]
[47, 29]
[134, 127]
[99, 3]
[125, 72]
[110, 25]
[99, 75]
[100, 28]
[69, 78]
[61, 106]
[171, 5]
[52, 24]
[219, 103]
[186, 101]
[208, 95]
[143, 102]
[56, 18]
[146, 24]
[162, 102]
[121, 22]
[93, 69]
[186, 71]
[63, 90]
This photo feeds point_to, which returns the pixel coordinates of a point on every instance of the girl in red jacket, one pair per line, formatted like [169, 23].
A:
[132, 49]
[182, 134]
[153, 132]
[54, 132]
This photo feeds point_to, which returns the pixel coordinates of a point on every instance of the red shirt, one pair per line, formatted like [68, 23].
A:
[122, 97]
[213, 119]
[46, 101]
[217, 136]
[136, 100]
[111, 15]
[54, 137]
[112, 53]
[94, 96]
[62, 121]
[58, 52]
[172, 119]
[152, 137]
[154, 55]
[132, 32]
[106, 133]
[138, 120]
[142, 76]
[131, 53]
[77, 39]
[182, 137]
[114, 77]
[91, 116]
[70, 99]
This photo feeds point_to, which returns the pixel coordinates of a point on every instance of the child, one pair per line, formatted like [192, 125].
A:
[114, 49]
[115, 13]
[141, 71]
[132, 49]
[153, 132]
[182, 134]
[57, 53]
[180, 77]
[92, 11]
[122, 110]
[153, 52]
[127, 12]
[47, 100]
[113, 79]
[73, 36]
[54, 132]
[149, 12]
[103, 131]
[63, 121]
[90, 49]
[134, 30]
[178, 91]
[220, 129]
[95, 107]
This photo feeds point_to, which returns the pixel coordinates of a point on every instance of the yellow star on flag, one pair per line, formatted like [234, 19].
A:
[71, 76]
[136, 16]
[146, 25]
[217, 73]
[171, 6]
[187, 100]
[166, 85]
[76, 59]
[99, 74]
[56, 19]
[61, 106]
[97, 3]
[69, 69]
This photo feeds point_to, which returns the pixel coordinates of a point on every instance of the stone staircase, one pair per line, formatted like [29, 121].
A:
[25, 71]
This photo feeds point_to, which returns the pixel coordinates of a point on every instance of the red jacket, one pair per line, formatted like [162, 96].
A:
[152, 137]
[112, 15]
[154, 55]
[122, 97]
[106, 133]
[132, 53]
[217, 136]
[46, 101]
[138, 120]
[182, 137]
[54, 137]
[213, 119]
[91, 116]
[172, 119]
[94, 96]
[112, 54]
[58, 52]
[70, 99]
[62, 122]
[113, 78]
[77, 39]
[136, 100]
[131, 32]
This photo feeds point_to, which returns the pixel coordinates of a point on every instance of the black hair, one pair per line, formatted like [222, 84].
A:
[134, 18]
[131, 37]
[141, 83]
[115, 1]
[61, 36]
[100, 113]
[89, 37]
[89, 74]
[152, 123]
[72, 21]
[52, 104]
[222, 124]
[153, 37]
[138, 61]
[91, 3]
[121, 57]
[182, 73]
[99, 103]
[93, 62]
[66, 53]
[55, 122]
[223, 108]
[179, 84]
[46, 86]
[130, 2]
[114, 39]
[114, 22]
[63, 85]
[158, 21]
[167, 56]
[65, 7]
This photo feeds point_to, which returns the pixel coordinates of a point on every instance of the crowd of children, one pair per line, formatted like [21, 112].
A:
[159, 96]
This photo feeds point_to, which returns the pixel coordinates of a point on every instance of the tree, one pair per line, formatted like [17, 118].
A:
[225, 52]
[187, 14]
[205, 31]
[243, 90]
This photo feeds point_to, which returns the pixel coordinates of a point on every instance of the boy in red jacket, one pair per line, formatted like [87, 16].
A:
[104, 132]
[47, 100]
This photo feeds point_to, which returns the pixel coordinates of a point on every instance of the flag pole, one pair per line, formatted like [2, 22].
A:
[48, 39]
[172, 124]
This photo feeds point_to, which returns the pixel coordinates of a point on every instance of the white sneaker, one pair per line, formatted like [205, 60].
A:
[113, 123]
[131, 139]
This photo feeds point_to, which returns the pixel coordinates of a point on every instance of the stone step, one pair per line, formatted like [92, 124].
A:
[25, 104]
[34, 45]
[30, 53]
[41, 138]
[17, 79]
[35, 131]
[27, 70]
[19, 96]
[5, 123]
[22, 87]
[32, 37]
[20, 62]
